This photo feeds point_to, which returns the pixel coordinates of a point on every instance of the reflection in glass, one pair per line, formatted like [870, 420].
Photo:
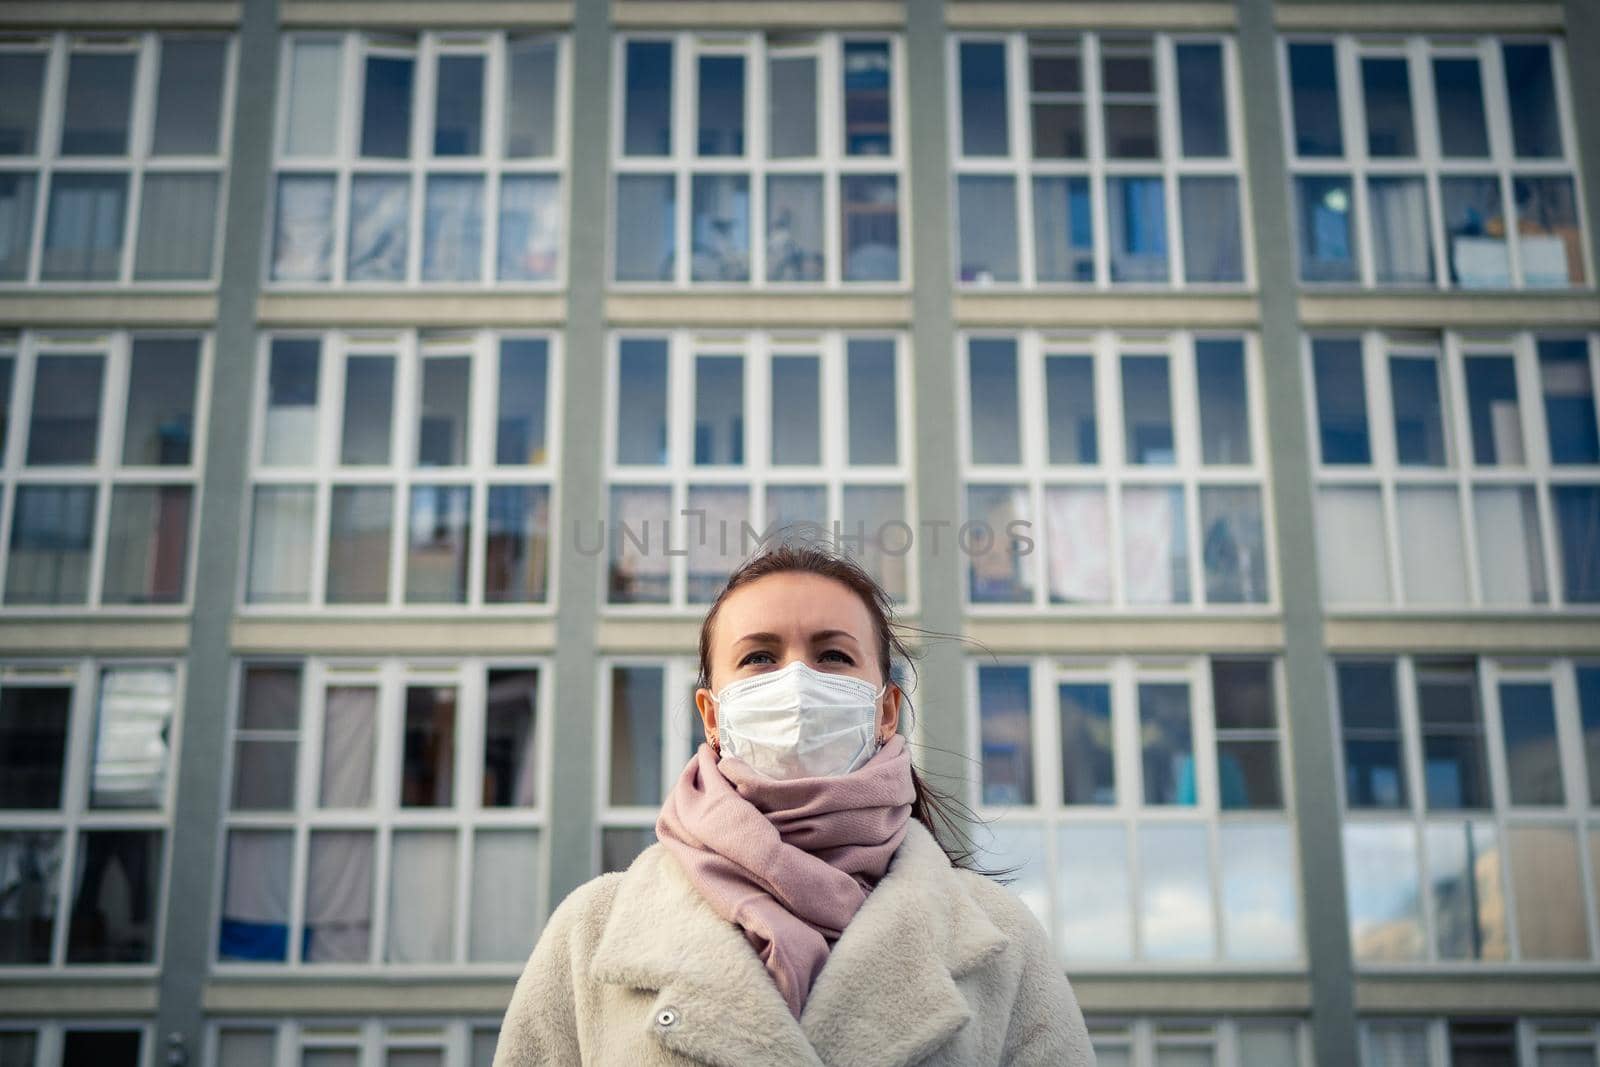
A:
[636, 535]
[1493, 410]
[1136, 217]
[1314, 92]
[993, 399]
[1093, 920]
[796, 410]
[646, 228]
[642, 401]
[1569, 409]
[720, 228]
[636, 772]
[1010, 844]
[1147, 411]
[452, 247]
[1374, 775]
[1475, 232]
[302, 234]
[517, 546]
[1325, 229]
[442, 418]
[795, 222]
[1006, 734]
[521, 400]
[1260, 907]
[1155, 545]
[867, 111]
[999, 564]
[984, 116]
[147, 545]
[22, 74]
[368, 410]
[1175, 919]
[1549, 891]
[1533, 754]
[1224, 400]
[458, 110]
[717, 534]
[647, 107]
[52, 532]
[1464, 878]
[719, 425]
[30, 871]
[1454, 773]
[1233, 545]
[1088, 772]
[1341, 400]
[380, 219]
[1418, 414]
[83, 232]
[530, 228]
[1063, 229]
[439, 530]
[874, 530]
[1167, 742]
[1380, 869]
[1386, 88]
[1077, 544]
[1548, 238]
[1070, 409]
[360, 519]
[871, 398]
[16, 224]
[1202, 99]
[721, 111]
[870, 221]
[386, 107]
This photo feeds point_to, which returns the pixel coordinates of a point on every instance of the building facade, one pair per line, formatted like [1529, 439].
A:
[386, 388]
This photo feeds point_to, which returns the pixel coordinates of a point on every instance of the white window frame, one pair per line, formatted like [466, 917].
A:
[1143, 1038]
[385, 816]
[1050, 814]
[74, 817]
[1034, 474]
[491, 165]
[480, 473]
[368, 1037]
[1575, 814]
[1532, 1035]
[831, 163]
[107, 472]
[757, 474]
[1460, 473]
[1429, 164]
[1096, 167]
[50, 1036]
[136, 162]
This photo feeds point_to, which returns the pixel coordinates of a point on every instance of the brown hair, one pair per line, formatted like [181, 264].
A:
[931, 807]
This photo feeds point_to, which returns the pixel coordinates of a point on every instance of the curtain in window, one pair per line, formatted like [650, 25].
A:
[1351, 545]
[1433, 562]
[453, 247]
[380, 217]
[1077, 525]
[1155, 546]
[302, 241]
[1397, 1046]
[255, 897]
[83, 237]
[349, 733]
[1401, 248]
[505, 896]
[422, 890]
[280, 544]
[338, 924]
[1510, 552]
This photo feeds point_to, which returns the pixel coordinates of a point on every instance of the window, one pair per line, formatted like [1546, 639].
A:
[86, 782]
[1143, 802]
[1096, 160]
[385, 813]
[649, 730]
[759, 160]
[1465, 826]
[1141, 456]
[1480, 1042]
[103, 468]
[370, 1042]
[112, 150]
[1188, 1042]
[420, 159]
[1454, 146]
[102, 1042]
[717, 441]
[401, 469]
[1443, 483]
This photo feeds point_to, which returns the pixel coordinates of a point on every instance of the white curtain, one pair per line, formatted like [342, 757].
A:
[302, 243]
[256, 893]
[1510, 552]
[453, 249]
[1401, 251]
[349, 732]
[280, 544]
[422, 894]
[1078, 544]
[339, 897]
[1433, 562]
[1155, 546]
[380, 218]
[505, 895]
[1351, 546]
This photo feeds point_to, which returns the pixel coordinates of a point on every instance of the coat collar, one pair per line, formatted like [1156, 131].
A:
[886, 997]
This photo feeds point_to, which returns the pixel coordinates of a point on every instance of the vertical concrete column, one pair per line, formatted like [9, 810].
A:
[578, 570]
[1311, 727]
[187, 943]
[940, 696]
[1583, 76]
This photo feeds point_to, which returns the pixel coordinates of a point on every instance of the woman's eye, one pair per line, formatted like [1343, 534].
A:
[844, 657]
[751, 657]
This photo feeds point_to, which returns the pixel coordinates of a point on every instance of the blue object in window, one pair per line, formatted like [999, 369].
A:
[242, 940]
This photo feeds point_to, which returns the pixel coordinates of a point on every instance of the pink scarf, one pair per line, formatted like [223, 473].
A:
[788, 861]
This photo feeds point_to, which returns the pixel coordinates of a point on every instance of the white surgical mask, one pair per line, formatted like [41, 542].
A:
[798, 722]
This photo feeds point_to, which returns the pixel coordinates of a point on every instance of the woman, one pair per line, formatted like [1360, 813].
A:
[796, 908]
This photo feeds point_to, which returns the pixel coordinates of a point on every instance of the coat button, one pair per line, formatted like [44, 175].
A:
[667, 1017]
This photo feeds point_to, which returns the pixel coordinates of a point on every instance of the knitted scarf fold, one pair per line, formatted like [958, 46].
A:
[788, 861]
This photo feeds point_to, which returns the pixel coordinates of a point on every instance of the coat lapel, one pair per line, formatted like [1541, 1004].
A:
[886, 997]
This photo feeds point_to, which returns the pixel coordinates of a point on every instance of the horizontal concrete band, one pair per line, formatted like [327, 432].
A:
[1450, 310]
[1552, 636]
[464, 636]
[66, 638]
[395, 309]
[1449, 18]
[1503, 991]
[1288, 994]
[307, 995]
[44, 308]
[973, 14]
[1080, 310]
[488, 14]
[756, 14]
[99, 14]
[54, 996]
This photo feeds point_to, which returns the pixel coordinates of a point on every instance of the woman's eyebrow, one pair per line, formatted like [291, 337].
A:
[824, 635]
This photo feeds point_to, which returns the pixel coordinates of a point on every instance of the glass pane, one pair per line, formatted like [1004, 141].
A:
[1224, 400]
[619, 847]
[33, 745]
[368, 410]
[1531, 91]
[255, 897]
[338, 922]
[530, 97]
[1131, 120]
[1418, 415]
[1396, 1045]
[17, 194]
[795, 223]
[530, 228]
[1006, 734]
[159, 429]
[796, 411]
[8, 364]
[1511, 567]
[721, 106]
[797, 512]
[1386, 86]
[870, 394]
[719, 410]
[1475, 232]
[984, 115]
[52, 530]
[1212, 246]
[1000, 565]
[1533, 754]
[1155, 545]
[1569, 407]
[83, 235]
[1147, 411]
[510, 763]
[361, 518]
[302, 236]
[647, 108]
[1327, 240]
[1018, 848]
[1458, 100]
[438, 533]
[289, 436]
[1341, 400]
[1088, 772]
[1314, 91]
[98, 105]
[505, 897]
[1260, 908]
[312, 124]
[1175, 920]
[646, 228]
[442, 417]
[270, 699]
[64, 425]
[380, 220]
[1380, 870]
[22, 77]
[1548, 237]
[721, 228]
[1168, 744]
[101, 1048]
[263, 775]
[1433, 559]
[422, 898]
[517, 547]
[1241, 694]
[637, 736]
[875, 531]
[1453, 766]
[1233, 545]
[247, 1048]
[1269, 1045]
[1202, 99]
[117, 897]
[427, 778]
[1063, 230]
[1374, 774]
[642, 401]
[1136, 213]
[987, 210]
[1588, 684]
[1483, 1044]
[147, 545]
[30, 879]
[1078, 545]
[458, 111]
[791, 106]
[1493, 411]
[1070, 409]
[715, 531]
[177, 224]
[386, 107]
[1093, 898]
[1549, 891]
[993, 400]
[870, 214]
[640, 570]
[189, 100]
[1402, 248]
[1464, 863]
[280, 544]
[452, 248]
[349, 738]
[867, 127]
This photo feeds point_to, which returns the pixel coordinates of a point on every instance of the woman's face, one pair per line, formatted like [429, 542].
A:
[773, 621]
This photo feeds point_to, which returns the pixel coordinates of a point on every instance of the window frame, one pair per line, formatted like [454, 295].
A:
[369, 1037]
[50, 1035]
[1143, 1037]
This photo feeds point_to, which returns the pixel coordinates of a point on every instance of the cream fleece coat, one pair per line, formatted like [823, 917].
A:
[941, 966]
